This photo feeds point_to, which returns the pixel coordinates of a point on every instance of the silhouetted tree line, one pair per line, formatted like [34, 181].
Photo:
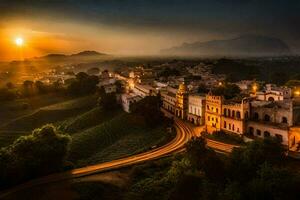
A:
[256, 171]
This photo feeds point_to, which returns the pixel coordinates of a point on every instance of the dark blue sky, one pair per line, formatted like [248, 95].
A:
[189, 20]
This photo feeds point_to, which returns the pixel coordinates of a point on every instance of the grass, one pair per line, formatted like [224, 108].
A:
[17, 108]
[124, 135]
[50, 114]
[8, 137]
[88, 119]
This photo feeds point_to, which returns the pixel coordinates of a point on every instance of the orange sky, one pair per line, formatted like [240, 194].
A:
[42, 37]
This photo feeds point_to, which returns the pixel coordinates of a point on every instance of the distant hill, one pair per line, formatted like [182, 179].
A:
[246, 45]
[89, 53]
[80, 54]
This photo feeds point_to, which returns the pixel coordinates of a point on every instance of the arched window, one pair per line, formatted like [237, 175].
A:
[284, 120]
[256, 116]
[267, 134]
[225, 112]
[271, 99]
[238, 114]
[258, 132]
[246, 115]
[233, 114]
[251, 131]
[217, 110]
[229, 113]
[279, 137]
[225, 125]
[267, 118]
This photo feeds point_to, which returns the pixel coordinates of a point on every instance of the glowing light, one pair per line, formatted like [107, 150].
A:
[297, 93]
[254, 88]
[220, 83]
[19, 41]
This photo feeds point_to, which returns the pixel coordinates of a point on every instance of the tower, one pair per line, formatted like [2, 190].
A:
[182, 101]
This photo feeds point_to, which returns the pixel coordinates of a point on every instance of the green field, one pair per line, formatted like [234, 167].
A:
[86, 120]
[97, 135]
[13, 109]
[55, 113]
[50, 114]
[124, 135]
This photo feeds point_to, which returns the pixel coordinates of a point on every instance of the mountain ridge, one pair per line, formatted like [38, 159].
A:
[245, 45]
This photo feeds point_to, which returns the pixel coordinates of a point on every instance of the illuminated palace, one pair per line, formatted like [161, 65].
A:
[252, 117]
[177, 102]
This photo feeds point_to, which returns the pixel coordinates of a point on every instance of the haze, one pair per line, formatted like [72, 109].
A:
[138, 27]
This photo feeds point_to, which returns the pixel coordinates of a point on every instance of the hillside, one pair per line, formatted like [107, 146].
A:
[80, 54]
[246, 45]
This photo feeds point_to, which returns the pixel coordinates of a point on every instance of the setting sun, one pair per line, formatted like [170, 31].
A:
[19, 41]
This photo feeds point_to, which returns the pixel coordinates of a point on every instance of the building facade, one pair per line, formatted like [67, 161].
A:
[274, 93]
[234, 116]
[169, 100]
[213, 113]
[181, 106]
[271, 119]
[128, 99]
[196, 112]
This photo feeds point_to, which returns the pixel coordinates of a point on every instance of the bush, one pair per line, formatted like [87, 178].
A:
[41, 153]
[225, 137]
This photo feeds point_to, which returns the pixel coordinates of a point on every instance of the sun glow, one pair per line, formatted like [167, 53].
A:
[19, 41]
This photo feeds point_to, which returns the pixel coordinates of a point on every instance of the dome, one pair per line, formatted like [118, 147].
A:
[182, 88]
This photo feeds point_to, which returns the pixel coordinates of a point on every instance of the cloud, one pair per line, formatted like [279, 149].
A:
[184, 18]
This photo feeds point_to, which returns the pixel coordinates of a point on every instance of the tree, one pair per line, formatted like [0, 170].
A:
[28, 88]
[7, 95]
[149, 109]
[108, 102]
[229, 91]
[246, 161]
[41, 153]
[204, 159]
[202, 89]
[10, 85]
[41, 87]
[83, 84]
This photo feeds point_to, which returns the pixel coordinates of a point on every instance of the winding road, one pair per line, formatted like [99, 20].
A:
[184, 133]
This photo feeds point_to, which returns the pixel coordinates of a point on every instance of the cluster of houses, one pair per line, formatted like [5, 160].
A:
[272, 112]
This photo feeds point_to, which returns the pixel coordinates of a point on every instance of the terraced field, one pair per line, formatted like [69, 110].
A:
[97, 135]
[50, 114]
[88, 119]
[14, 109]
[124, 135]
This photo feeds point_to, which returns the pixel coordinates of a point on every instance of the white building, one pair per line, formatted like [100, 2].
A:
[274, 93]
[196, 110]
[128, 99]
[169, 99]
[144, 90]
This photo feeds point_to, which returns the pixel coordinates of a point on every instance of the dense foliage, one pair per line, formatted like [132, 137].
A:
[83, 84]
[253, 172]
[227, 90]
[149, 109]
[41, 153]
